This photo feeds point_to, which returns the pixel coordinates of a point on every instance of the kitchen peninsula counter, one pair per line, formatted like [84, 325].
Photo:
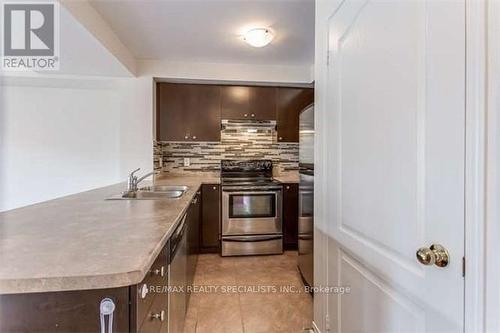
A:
[84, 241]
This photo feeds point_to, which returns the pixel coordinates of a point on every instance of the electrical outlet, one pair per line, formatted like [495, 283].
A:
[187, 161]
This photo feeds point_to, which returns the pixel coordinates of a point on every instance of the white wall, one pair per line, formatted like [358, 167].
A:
[63, 136]
[136, 125]
[492, 237]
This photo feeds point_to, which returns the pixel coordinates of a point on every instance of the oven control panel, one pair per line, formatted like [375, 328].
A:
[246, 165]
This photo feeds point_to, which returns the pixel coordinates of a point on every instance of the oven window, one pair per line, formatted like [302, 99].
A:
[252, 205]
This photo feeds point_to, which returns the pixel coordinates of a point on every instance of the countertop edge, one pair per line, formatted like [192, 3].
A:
[69, 283]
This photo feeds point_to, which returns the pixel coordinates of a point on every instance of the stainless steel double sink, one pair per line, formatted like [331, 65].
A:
[154, 192]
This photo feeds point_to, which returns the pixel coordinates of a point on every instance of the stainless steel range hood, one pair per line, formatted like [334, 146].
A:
[248, 124]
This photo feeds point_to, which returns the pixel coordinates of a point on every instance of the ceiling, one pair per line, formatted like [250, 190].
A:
[210, 30]
[81, 53]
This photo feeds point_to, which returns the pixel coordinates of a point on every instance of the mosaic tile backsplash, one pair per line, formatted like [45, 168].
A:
[239, 140]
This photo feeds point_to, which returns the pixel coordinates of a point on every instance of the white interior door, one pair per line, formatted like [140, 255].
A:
[394, 115]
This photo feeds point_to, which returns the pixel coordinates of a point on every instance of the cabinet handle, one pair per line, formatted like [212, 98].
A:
[215, 187]
[288, 187]
[194, 137]
[160, 315]
[245, 115]
[144, 290]
[280, 138]
[186, 137]
[160, 272]
[253, 115]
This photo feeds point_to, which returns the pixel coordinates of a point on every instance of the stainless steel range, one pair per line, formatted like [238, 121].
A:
[251, 208]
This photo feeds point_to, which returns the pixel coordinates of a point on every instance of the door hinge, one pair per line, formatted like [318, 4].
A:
[327, 322]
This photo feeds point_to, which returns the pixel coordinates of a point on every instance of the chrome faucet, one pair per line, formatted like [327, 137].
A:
[133, 181]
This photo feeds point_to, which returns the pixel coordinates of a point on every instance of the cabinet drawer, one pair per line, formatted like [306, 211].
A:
[156, 318]
[252, 245]
[151, 287]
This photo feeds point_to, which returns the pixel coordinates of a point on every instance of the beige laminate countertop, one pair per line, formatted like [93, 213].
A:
[83, 241]
[288, 178]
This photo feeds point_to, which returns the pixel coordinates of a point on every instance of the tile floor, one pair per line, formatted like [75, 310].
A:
[248, 294]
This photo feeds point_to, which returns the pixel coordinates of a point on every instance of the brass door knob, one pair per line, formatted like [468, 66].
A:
[435, 255]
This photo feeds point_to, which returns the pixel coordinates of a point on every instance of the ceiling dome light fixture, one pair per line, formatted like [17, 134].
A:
[258, 37]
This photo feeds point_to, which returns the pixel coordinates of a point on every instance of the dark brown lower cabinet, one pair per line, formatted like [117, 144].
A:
[138, 308]
[193, 230]
[290, 216]
[68, 311]
[210, 218]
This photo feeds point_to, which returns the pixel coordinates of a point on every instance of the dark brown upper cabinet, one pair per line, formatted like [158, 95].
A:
[193, 112]
[188, 112]
[254, 103]
[289, 103]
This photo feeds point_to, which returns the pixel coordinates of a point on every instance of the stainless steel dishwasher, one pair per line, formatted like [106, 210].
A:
[177, 296]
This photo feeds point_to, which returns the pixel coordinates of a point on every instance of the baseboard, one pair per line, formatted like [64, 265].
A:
[315, 328]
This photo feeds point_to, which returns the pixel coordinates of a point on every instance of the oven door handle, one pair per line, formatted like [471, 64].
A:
[249, 192]
[252, 238]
